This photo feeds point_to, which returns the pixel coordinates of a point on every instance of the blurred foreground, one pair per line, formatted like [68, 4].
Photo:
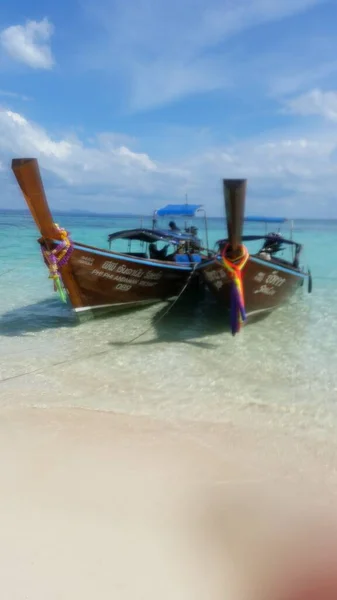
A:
[96, 505]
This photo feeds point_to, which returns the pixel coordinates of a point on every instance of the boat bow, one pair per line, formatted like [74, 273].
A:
[234, 255]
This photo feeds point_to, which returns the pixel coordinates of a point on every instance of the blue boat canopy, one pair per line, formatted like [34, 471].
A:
[265, 220]
[178, 210]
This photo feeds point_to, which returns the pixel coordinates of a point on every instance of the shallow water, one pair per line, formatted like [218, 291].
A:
[278, 371]
[213, 493]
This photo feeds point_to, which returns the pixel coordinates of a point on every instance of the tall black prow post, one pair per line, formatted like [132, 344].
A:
[235, 255]
[234, 197]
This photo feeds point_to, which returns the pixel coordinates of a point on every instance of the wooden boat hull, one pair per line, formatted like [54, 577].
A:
[100, 280]
[267, 284]
[110, 282]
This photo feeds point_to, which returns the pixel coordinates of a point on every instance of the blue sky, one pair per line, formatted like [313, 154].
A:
[129, 104]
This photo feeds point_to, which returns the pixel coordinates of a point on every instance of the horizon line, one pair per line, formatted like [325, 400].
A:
[83, 213]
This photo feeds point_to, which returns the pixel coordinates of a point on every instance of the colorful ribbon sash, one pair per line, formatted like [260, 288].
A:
[57, 258]
[234, 271]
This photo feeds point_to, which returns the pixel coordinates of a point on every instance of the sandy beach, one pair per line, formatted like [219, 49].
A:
[99, 505]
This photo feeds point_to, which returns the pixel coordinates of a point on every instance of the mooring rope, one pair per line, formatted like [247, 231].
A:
[17, 268]
[56, 364]
[22, 262]
[168, 309]
[102, 352]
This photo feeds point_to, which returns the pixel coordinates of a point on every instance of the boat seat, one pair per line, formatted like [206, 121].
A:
[182, 258]
[185, 258]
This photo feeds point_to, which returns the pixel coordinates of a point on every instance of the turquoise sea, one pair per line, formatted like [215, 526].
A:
[281, 370]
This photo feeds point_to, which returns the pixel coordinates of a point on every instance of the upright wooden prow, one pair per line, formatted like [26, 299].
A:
[234, 198]
[27, 173]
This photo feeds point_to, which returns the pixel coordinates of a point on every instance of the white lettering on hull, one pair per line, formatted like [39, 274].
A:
[272, 281]
[217, 277]
[86, 260]
[259, 277]
[153, 275]
[109, 265]
[275, 279]
[147, 283]
[126, 276]
[124, 270]
[266, 290]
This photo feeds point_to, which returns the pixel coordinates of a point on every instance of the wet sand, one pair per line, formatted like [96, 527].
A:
[99, 505]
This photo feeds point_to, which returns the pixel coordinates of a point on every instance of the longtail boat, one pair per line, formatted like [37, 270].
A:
[97, 280]
[251, 284]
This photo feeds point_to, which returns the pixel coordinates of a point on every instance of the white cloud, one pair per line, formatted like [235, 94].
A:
[173, 81]
[300, 72]
[102, 163]
[315, 102]
[7, 94]
[282, 165]
[286, 174]
[29, 43]
[291, 174]
[168, 50]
